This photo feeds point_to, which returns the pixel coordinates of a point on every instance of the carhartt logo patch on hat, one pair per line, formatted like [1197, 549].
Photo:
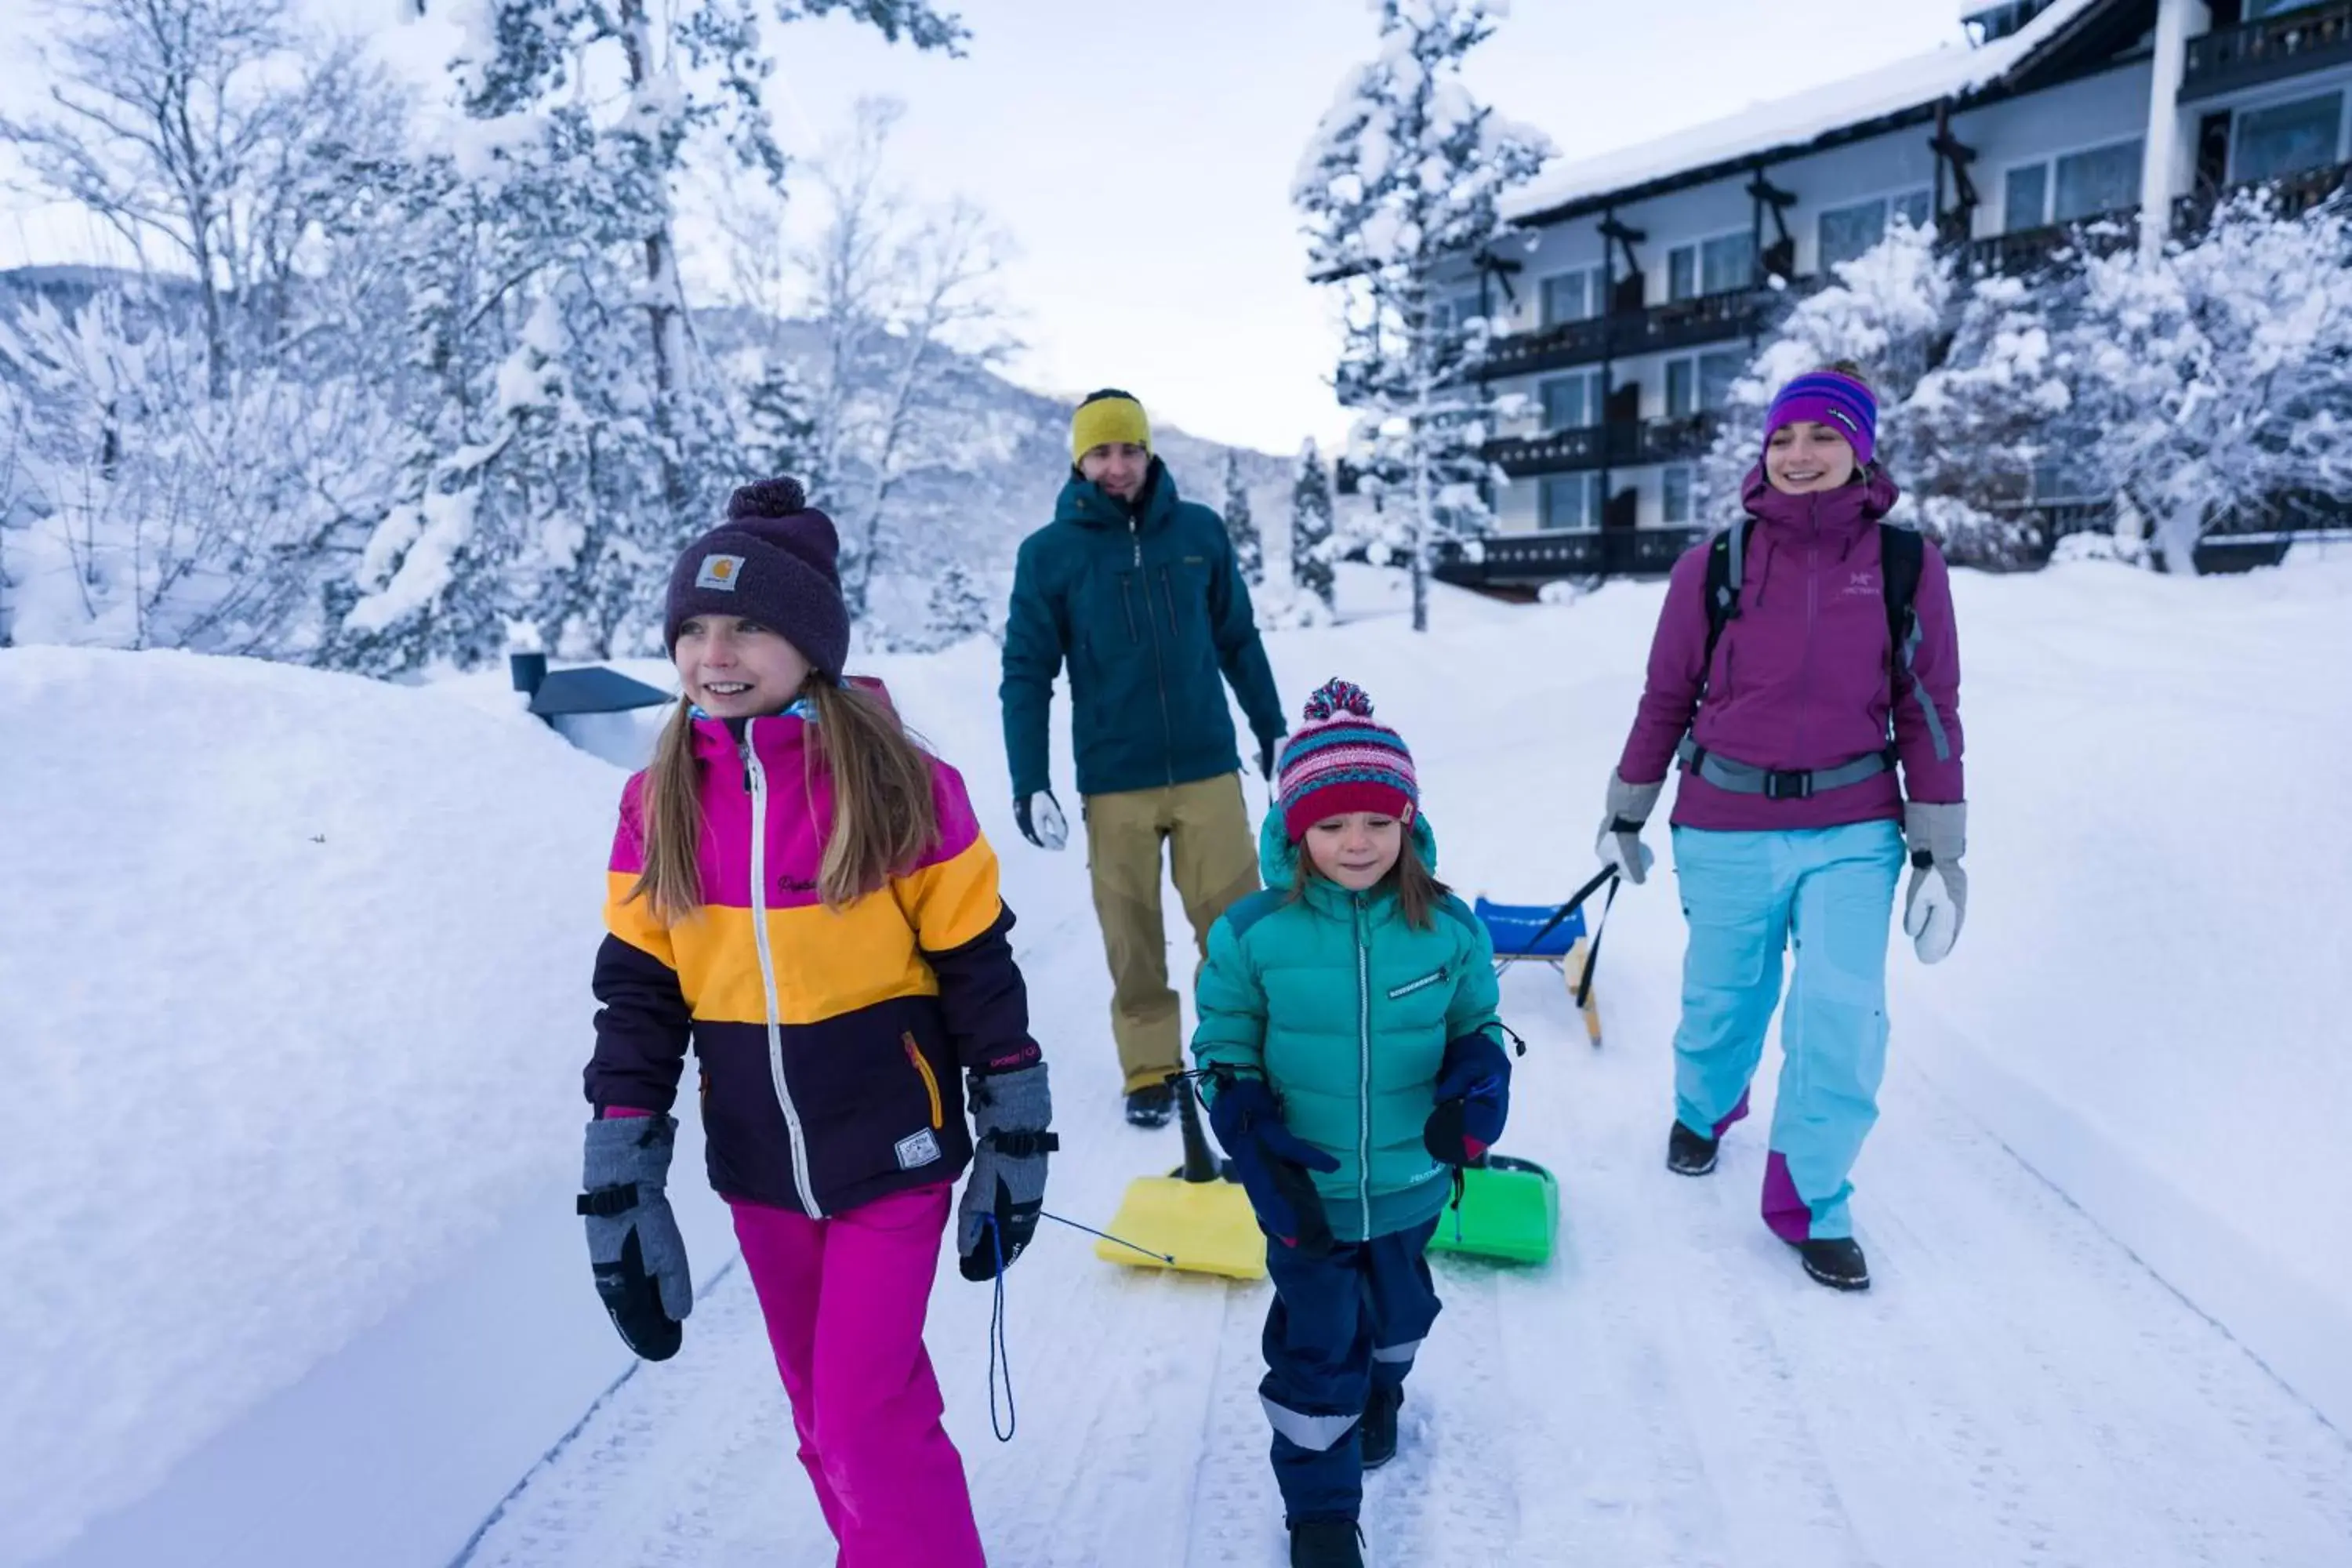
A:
[719, 572]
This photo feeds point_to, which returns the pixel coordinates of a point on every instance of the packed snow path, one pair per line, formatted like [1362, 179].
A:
[2016, 1390]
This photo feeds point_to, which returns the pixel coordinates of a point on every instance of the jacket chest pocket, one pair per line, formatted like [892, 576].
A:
[1398, 993]
[1180, 591]
[1418, 1002]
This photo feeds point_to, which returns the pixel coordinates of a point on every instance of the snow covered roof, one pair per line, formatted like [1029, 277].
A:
[1956, 71]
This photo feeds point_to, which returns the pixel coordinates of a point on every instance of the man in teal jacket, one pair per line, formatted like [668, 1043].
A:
[1137, 591]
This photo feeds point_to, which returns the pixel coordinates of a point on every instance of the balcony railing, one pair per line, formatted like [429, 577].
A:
[1520, 558]
[1678, 323]
[2291, 196]
[2029, 250]
[1565, 451]
[2269, 50]
[1622, 445]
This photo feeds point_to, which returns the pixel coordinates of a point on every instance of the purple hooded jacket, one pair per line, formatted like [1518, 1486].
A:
[1803, 678]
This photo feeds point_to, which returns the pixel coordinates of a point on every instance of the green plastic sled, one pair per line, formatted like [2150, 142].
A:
[1507, 1209]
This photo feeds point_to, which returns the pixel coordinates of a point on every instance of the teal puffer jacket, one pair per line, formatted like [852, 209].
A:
[1345, 1010]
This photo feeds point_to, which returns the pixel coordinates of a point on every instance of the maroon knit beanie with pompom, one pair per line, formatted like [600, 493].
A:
[772, 561]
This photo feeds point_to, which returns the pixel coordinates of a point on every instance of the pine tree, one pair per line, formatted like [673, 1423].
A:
[959, 611]
[1400, 190]
[1311, 526]
[1249, 549]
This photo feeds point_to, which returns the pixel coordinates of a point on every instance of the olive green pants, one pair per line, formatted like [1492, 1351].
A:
[1214, 854]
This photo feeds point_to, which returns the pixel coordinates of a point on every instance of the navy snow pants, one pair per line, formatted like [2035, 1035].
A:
[1339, 1327]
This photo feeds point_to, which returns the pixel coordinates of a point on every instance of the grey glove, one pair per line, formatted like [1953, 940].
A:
[1936, 903]
[633, 1239]
[1011, 1112]
[1622, 820]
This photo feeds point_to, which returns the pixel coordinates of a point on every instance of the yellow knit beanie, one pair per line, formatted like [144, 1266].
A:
[1107, 416]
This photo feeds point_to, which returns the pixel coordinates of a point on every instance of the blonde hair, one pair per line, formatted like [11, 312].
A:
[1418, 891]
[884, 816]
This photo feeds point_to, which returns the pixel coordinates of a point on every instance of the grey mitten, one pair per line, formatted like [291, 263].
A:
[634, 1244]
[1011, 1112]
[1622, 820]
[1937, 900]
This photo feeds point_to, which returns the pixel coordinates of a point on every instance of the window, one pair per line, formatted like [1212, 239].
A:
[1571, 503]
[1711, 266]
[1571, 402]
[1848, 232]
[2025, 197]
[1677, 482]
[2103, 180]
[1727, 263]
[1571, 296]
[1455, 312]
[2286, 138]
[1851, 231]
[1699, 384]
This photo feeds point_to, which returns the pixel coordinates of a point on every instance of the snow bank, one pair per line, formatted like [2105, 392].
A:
[292, 1005]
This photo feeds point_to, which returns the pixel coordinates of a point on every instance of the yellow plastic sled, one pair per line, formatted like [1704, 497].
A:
[1195, 1219]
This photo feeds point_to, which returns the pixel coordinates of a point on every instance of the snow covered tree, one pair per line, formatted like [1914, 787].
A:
[1310, 526]
[2210, 382]
[959, 611]
[1980, 426]
[1249, 549]
[1399, 189]
[1885, 314]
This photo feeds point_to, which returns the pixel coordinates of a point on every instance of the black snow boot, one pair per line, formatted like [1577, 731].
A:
[1690, 1153]
[1379, 1426]
[1838, 1263]
[1151, 1105]
[1325, 1543]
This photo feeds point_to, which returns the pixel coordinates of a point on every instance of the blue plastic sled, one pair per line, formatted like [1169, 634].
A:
[1514, 929]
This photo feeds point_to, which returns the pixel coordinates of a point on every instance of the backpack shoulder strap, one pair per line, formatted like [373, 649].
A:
[1722, 588]
[1901, 553]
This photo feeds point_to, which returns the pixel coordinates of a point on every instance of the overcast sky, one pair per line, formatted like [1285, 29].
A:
[1141, 152]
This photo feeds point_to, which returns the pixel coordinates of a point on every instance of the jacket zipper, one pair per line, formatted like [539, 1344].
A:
[930, 1081]
[1812, 611]
[1364, 1071]
[758, 774]
[1420, 985]
[1159, 664]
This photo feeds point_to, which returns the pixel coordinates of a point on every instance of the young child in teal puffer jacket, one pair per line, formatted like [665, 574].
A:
[1347, 1028]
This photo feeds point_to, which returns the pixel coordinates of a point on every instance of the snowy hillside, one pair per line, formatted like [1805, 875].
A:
[2114, 1263]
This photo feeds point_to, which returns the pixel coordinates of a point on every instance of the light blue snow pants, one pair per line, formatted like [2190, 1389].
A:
[1830, 892]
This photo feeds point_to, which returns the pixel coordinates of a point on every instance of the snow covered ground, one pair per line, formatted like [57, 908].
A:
[308, 1272]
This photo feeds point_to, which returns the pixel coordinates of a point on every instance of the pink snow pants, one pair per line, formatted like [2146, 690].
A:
[844, 1298]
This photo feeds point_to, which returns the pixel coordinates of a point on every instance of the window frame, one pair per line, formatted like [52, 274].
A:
[1595, 288]
[2048, 164]
[2290, 94]
[1590, 482]
[1594, 399]
[1890, 196]
[1695, 249]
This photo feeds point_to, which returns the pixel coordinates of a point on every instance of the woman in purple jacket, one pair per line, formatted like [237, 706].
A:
[1789, 724]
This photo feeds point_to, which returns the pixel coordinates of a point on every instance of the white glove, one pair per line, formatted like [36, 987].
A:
[1621, 819]
[1041, 821]
[1937, 904]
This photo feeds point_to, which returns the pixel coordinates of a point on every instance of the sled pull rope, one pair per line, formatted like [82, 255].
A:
[1592, 954]
[1116, 1240]
[998, 1350]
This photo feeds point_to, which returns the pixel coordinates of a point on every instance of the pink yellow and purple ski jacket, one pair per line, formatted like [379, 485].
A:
[830, 1041]
[1804, 676]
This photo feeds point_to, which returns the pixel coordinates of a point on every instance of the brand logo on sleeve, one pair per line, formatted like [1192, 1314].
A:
[719, 572]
